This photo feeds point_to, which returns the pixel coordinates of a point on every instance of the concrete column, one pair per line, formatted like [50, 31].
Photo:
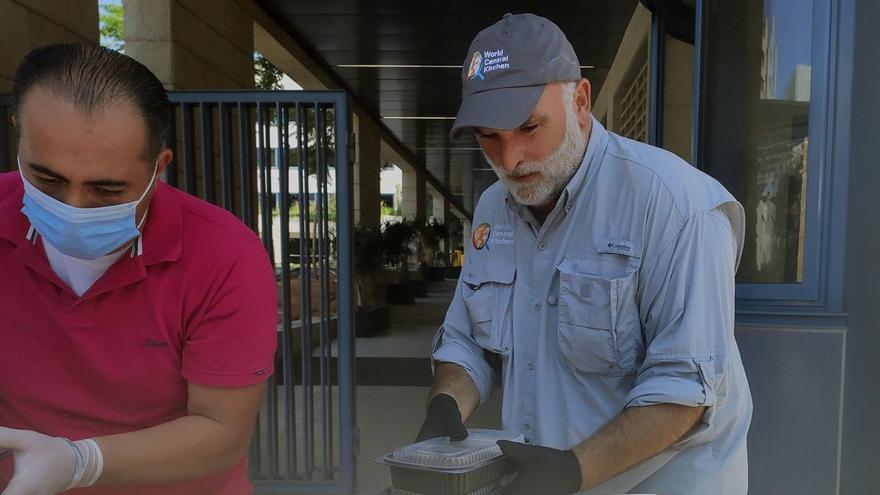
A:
[366, 172]
[421, 197]
[414, 192]
[447, 218]
[25, 25]
[439, 206]
[678, 97]
[192, 44]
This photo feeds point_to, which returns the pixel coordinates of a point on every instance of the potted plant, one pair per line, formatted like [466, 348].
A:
[433, 237]
[373, 314]
[397, 239]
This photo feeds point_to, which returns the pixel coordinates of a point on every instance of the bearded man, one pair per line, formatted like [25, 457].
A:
[598, 289]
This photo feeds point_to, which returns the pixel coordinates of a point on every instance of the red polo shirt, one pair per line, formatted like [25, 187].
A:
[197, 305]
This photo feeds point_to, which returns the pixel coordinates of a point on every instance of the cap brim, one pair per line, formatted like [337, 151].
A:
[503, 108]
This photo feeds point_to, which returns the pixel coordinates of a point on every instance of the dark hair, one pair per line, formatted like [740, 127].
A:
[92, 78]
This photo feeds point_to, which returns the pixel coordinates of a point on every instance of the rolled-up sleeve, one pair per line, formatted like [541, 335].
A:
[686, 299]
[454, 343]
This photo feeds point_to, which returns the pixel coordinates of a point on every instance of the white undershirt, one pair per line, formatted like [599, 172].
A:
[79, 274]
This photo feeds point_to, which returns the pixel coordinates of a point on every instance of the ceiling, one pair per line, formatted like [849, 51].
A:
[342, 33]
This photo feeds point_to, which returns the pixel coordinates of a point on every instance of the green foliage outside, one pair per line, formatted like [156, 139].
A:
[266, 75]
[111, 26]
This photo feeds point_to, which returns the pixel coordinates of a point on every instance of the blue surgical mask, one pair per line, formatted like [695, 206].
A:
[85, 233]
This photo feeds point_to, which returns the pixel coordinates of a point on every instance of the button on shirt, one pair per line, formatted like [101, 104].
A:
[623, 297]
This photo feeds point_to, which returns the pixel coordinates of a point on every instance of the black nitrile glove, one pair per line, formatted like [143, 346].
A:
[542, 470]
[443, 420]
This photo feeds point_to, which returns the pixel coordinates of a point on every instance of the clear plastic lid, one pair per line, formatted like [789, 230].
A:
[440, 453]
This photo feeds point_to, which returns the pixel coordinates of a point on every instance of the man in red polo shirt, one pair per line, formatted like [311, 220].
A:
[137, 323]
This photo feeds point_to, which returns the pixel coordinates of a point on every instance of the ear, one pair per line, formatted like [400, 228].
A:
[583, 101]
[163, 160]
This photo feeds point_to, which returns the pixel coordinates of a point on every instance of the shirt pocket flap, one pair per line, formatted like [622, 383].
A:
[499, 273]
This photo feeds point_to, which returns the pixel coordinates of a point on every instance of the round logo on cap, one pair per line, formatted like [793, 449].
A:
[476, 67]
[481, 235]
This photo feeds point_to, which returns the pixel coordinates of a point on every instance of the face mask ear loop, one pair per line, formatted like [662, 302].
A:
[144, 195]
[20, 170]
[149, 184]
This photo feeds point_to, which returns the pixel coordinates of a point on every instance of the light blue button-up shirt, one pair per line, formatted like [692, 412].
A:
[623, 297]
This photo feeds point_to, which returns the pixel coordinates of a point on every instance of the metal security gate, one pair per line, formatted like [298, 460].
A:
[279, 160]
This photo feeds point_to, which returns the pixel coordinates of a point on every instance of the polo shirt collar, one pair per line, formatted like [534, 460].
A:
[162, 236]
[13, 224]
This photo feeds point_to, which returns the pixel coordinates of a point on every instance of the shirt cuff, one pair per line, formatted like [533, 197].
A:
[688, 382]
[476, 366]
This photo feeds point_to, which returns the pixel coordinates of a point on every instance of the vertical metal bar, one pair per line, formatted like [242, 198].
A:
[700, 69]
[245, 133]
[330, 250]
[226, 173]
[284, 221]
[264, 190]
[345, 323]
[5, 151]
[321, 219]
[171, 142]
[328, 418]
[306, 280]
[657, 71]
[206, 114]
[189, 152]
[327, 280]
[290, 389]
[266, 219]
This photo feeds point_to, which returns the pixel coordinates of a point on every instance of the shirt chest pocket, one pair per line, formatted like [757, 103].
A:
[488, 296]
[598, 325]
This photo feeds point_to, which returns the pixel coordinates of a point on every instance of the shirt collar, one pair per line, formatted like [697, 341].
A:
[13, 224]
[162, 238]
[592, 157]
[595, 150]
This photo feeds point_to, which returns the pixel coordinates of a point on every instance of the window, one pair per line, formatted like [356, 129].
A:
[634, 107]
[758, 115]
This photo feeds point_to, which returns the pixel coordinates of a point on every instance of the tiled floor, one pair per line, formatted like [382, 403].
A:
[412, 327]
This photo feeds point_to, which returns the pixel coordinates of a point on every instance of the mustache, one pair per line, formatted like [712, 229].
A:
[523, 170]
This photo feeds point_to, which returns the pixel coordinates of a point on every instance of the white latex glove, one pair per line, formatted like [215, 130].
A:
[44, 465]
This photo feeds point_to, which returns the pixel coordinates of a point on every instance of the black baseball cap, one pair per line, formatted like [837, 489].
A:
[506, 69]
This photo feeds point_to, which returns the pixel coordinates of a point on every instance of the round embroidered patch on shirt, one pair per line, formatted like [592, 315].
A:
[481, 235]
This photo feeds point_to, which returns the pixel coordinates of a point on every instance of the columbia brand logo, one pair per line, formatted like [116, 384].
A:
[619, 247]
[153, 343]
